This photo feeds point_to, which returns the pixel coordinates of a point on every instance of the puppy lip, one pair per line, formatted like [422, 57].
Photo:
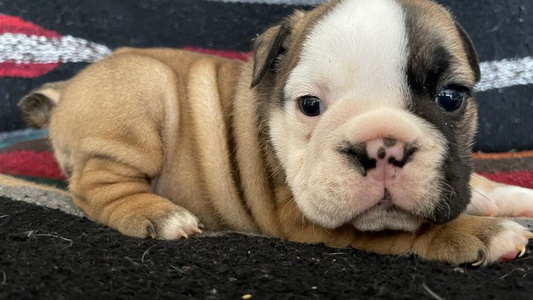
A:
[385, 204]
[405, 220]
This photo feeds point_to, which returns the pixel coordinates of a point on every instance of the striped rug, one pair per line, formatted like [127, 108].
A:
[49, 41]
[47, 254]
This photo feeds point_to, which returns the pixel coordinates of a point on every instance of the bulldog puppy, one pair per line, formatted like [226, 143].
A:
[351, 126]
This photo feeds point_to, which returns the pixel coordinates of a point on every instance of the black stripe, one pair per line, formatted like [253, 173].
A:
[232, 26]
[499, 28]
[505, 119]
[146, 23]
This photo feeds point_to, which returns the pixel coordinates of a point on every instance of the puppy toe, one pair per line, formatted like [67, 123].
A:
[508, 244]
[177, 225]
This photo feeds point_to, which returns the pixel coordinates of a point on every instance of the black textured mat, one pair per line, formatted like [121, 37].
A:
[45, 254]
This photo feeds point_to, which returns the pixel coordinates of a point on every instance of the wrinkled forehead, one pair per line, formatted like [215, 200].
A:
[368, 46]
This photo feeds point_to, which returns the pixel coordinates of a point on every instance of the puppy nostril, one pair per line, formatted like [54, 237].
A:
[366, 162]
[382, 152]
[409, 152]
[396, 163]
[358, 156]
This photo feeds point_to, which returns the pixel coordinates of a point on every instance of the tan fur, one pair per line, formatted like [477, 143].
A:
[150, 137]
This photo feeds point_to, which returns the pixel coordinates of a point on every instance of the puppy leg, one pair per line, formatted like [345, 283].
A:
[110, 132]
[495, 199]
[467, 239]
[120, 197]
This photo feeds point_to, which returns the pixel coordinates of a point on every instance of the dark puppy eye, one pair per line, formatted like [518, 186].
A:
[311, 106]
[451, 97]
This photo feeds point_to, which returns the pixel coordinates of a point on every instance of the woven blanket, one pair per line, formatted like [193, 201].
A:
[49, 250]
[50, 42]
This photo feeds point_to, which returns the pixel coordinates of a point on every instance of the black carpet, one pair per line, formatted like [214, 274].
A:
[46, 254]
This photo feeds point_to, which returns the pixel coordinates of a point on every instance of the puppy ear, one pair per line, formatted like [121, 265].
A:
[267, 47]
[271, 45]
[470, 51]
[37, 106]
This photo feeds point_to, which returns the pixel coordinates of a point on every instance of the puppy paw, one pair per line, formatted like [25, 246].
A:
[479, 241]
[176, 225]
[509, 243]
[169, 223]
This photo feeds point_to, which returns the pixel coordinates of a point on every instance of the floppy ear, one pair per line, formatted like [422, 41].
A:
[470, 51]
[37, 106]
[267, 47]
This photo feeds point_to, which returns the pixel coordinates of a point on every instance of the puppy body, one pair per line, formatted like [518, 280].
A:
[157, 141]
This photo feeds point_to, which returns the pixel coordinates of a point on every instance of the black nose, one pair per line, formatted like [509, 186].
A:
[357, 154]
[366, 155]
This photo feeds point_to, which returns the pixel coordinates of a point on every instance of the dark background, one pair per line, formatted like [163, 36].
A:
[499, 28]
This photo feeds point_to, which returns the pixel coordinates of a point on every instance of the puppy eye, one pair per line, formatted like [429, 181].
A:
[451, 97]
[311, 106]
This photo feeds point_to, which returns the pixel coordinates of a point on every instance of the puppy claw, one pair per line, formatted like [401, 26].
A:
[522, 251]
[481, 259]
[179, 225]
[509, 244]
[183, 235]
[478, 263]
[198, 230]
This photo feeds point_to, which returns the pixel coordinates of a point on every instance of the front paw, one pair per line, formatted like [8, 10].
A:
[175, 225]
[171, 224]
[510, 242]
[477, 240]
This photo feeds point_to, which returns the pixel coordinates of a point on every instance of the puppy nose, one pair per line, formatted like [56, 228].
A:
[389, 150]
[382, 158]
[390, 156]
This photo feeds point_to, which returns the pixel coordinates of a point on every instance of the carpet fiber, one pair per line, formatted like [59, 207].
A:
[47, 254]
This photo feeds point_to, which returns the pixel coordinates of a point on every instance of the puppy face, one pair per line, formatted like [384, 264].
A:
[368, 107]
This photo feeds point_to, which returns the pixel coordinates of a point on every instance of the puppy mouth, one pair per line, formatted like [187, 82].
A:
[385, 215]
[386, 201]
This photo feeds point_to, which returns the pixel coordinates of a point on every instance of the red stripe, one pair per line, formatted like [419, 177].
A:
[520, 178]
[15, 25]
[11, 24]
[43, 164]
[25, 70]
[30, 163]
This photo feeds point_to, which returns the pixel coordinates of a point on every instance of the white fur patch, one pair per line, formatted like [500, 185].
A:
[179, 225]
[358, 51]
[513, 238]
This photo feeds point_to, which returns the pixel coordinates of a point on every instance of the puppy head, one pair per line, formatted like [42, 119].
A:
[368, 106]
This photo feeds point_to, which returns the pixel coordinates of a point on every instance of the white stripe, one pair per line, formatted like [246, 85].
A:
[20, 48]
[505, 73]
[286, 2]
